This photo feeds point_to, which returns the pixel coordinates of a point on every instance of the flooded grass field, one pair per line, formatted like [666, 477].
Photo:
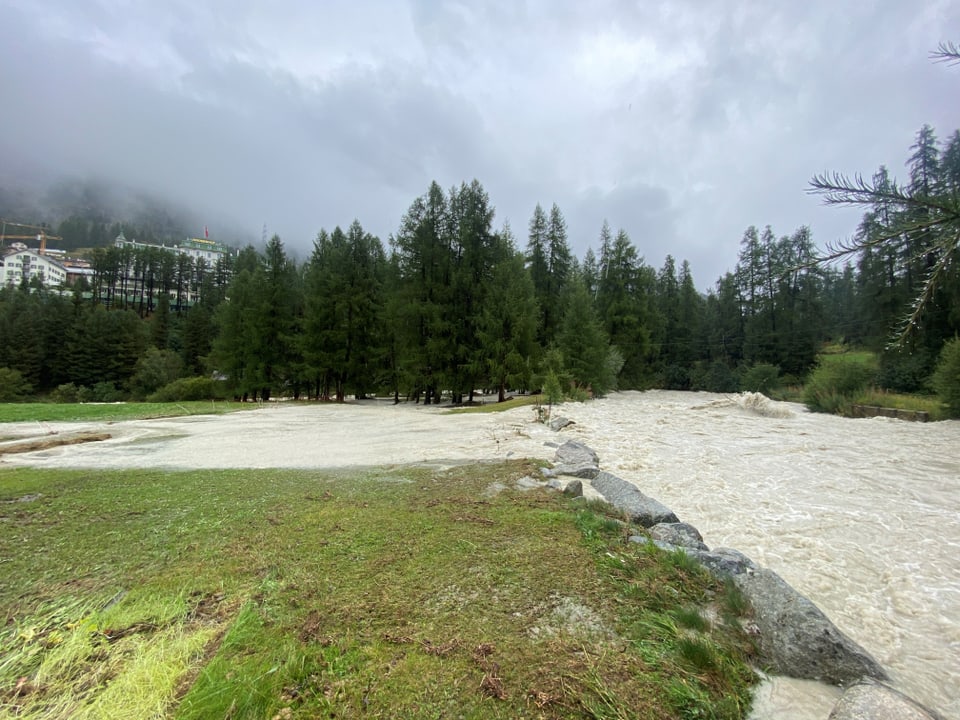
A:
[859, 515]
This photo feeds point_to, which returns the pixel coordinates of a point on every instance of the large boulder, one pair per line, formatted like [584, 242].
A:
[641, 509]
[682, 535]
[797, 639]
[875, 701]
[577, 460]
[724, 562]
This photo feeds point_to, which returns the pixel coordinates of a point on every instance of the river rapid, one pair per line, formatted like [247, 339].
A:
[861, 516]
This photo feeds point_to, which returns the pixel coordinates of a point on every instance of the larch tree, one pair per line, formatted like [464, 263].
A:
[538, 265]
[623, 300]
[425, 267]
[507, 325]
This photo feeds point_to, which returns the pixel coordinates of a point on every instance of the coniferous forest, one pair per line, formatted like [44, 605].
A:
[453, 304]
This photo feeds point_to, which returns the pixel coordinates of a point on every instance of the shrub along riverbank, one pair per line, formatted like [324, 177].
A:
[401, 592]
[845, 378]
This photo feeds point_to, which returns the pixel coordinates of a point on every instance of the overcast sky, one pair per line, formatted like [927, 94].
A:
[681, 122]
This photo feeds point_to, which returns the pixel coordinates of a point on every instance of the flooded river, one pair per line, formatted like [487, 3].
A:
[862, 516]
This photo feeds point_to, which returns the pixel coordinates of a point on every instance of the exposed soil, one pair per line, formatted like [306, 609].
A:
[52, 441]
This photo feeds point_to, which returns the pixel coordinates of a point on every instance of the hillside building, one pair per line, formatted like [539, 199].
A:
[19, 263]
[196, 248]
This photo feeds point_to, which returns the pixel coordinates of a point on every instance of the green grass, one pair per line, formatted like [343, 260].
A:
[406, 592]
[489, 407]
[844, 378]
[70, 412]
[920, 403]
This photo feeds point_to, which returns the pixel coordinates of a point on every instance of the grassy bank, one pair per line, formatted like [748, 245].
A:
[77, 412]
[491, 407]
[401, 593]
[843, 379]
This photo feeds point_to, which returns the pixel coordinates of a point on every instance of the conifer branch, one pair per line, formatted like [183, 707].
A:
[946, 52]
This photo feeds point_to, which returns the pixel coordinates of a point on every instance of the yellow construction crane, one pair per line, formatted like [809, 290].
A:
[41, 237]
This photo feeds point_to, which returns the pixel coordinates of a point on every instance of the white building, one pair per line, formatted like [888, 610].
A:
[20, 262]
[195, 248]
[202, 248]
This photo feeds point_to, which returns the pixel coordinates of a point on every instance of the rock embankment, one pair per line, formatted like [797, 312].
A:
[876, 701]
[795, 638]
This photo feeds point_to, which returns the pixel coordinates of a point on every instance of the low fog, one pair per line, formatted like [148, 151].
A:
[680, 123]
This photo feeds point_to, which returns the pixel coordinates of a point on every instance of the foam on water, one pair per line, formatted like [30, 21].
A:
[859, 515]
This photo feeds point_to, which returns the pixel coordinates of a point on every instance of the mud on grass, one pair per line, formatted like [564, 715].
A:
[402, 592]
[111, 412]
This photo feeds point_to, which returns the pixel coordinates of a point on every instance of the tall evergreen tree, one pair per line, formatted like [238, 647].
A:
[538, 265]
[689, 344]
[584, 345]
[323, 341]
[590, 272]
[276, 282]
[508, 323]
[668, 303]
[235, 347]
[475, 254]
[623, 302]
[425, 267]
[343, 286]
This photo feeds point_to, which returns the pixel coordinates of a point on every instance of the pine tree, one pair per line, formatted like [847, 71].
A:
[559, 263]
[424, 267]
[590, 272]
[475, 254]
[623, 302]
[275, 317]
[234, 349]
[584, 345]
[508, 324]
[538, 265]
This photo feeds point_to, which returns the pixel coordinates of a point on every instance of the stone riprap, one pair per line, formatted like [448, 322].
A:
[875, 701]
[576, 460]
[571, 486]
[642, 509]
[680, 534]
[724, 562]
[795, 638]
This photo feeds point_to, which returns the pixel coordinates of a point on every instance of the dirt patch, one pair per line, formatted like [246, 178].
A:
[210, 609]
[23, 498]
[52, 441]
[572, 618]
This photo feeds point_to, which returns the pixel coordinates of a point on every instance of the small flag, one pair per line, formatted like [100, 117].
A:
[205, 233]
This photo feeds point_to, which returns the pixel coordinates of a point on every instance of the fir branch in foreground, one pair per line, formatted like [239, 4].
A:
[933, 216]
[946, 52]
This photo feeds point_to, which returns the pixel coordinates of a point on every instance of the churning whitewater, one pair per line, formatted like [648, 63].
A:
[861, 516]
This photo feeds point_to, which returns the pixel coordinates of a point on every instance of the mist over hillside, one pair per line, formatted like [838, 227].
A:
[90, 211]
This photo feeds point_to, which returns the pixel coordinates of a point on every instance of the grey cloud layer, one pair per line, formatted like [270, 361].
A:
[681, 122]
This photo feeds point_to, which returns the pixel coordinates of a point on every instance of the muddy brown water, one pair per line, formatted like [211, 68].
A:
[862, 516]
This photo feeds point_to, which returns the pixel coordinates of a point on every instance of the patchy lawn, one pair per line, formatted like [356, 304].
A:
[92, 412]
[408, 592]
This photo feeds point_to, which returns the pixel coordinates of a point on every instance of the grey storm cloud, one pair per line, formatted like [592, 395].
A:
[681, 122]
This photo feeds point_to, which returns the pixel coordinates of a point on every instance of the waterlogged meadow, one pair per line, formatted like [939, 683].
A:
[410, 592]
[112, 412]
